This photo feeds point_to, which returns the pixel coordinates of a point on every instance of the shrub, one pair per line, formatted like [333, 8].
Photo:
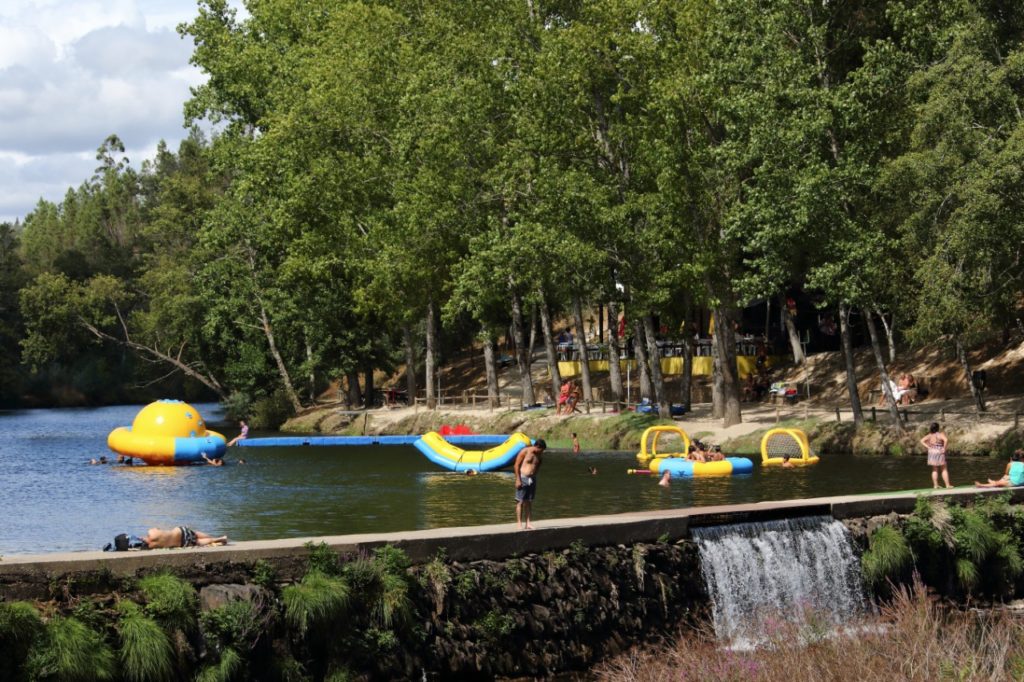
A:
[170, 600]
[233, 626]
[316, 601]
[888, 557]
[146, 652]
[20, 626]
[70, 651]
[322, 559]
[228, 668]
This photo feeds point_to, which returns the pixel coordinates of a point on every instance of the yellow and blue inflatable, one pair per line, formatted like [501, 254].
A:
[778, 443]
[441, 452]
[167, 433]
[676, 462]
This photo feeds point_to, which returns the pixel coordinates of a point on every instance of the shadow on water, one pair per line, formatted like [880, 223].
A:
[52, 500]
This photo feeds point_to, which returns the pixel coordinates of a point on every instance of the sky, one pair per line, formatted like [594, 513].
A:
[73, 72]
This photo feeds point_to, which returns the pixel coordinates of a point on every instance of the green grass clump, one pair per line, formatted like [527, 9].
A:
[146, 652]
[228, 668]
[70, 652]
[170, 600]
[318, 600]
[887, 558]
[20, 626]
[322, 559]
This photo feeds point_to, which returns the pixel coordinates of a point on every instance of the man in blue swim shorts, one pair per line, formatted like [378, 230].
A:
[527, 465]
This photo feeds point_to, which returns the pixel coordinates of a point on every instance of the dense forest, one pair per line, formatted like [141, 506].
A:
[390, 179]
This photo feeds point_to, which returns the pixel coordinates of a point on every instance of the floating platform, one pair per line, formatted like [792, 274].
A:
[442, 452]
[332, 441]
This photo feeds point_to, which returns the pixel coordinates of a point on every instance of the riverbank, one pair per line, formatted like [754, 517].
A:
[993, 433]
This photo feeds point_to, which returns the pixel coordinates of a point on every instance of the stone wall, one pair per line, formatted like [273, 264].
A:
[481, 602]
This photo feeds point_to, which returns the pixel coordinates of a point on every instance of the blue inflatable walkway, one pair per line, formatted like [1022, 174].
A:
[295, 441]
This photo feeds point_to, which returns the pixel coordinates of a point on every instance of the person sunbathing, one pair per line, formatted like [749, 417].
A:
[1013, 476]
[181, 536]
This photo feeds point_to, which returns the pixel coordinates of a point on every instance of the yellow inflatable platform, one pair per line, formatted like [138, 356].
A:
[167, 432]
[778, 443]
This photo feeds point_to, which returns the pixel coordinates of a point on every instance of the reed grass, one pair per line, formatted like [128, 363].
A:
[316, 601]
[914, 638]
[171, 601]
[70, 651]
[146, 653]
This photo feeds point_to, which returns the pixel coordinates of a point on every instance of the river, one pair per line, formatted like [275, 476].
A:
[52, 500]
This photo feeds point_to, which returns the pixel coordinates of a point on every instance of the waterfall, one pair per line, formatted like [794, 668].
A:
[787, 568]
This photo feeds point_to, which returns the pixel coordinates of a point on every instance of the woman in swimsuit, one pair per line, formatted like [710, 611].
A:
[936, 442]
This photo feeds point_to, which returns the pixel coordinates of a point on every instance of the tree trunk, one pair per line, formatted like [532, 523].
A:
[876, 348]
[431, 356]
[717, 381]
[352, 395]
[725, 341]
[282, 370]
[687, 379]
[965, 363]
[577, 311]
[368, 393]
[410, 363]
[614, 370]
[889, 334]
[549, 346]
[851, 365]
[309, 364]
[640, 350]
[492, 372]
[521, 353]
[533, 333]
[791, 332]
[654, 359]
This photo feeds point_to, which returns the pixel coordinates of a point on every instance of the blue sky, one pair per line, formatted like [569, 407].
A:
[74, 71]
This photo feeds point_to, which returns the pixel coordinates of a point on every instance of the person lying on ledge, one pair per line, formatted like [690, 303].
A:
[1014, 473]
[181, 536]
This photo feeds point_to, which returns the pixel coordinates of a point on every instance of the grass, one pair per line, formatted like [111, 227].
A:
[315, 602]
[71, 652]
[887, 557]
[913, 638]
[146, 653]
[170, 600]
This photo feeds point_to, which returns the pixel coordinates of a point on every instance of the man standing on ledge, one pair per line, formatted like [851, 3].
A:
[526, 467]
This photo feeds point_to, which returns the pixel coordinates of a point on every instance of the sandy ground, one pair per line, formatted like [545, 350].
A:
[957, 412]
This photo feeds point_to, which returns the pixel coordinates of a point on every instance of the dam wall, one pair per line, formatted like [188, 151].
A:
[470, 602]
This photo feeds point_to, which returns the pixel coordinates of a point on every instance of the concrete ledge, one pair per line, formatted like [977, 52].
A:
[466, 543]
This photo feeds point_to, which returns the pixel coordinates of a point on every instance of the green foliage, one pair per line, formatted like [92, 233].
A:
[69, 651]
[974, 549]
[170, 600]
[318, 601]
[263, 574]
[232, 627]
[888, 557]
[20, 626]
[227, 669]
[495, 625]
[383, 585]
[146, 652]
[322, 559]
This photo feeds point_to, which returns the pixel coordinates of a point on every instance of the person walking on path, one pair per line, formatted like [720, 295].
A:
[527, 465]
[935, 442]
[243, 434]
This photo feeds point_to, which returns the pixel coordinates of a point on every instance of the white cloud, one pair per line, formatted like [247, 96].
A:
[73, 72]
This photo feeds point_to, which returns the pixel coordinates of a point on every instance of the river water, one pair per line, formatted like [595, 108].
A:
[52, 500]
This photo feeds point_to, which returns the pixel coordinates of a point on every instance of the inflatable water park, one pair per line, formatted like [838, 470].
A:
[779, 447]
[678, 462]
[167, 433]
[173, 433]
